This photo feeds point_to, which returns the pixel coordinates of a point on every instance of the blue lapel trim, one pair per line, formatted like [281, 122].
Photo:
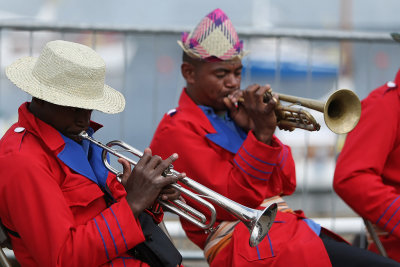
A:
[96, 161]
[88, 164]
[229, 137]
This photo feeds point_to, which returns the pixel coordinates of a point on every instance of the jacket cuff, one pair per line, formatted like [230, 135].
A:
[390, 218]
[118, 229]
[257, 159]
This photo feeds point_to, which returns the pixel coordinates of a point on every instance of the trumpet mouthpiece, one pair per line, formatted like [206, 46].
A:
[83, 134]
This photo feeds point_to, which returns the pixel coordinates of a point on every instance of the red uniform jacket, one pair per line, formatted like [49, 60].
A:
[51, 198]
[367, 174]
[247, 173]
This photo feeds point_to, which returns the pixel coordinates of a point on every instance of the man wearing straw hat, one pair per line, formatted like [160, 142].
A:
[231, 148]
[59, 204]
[368, 178]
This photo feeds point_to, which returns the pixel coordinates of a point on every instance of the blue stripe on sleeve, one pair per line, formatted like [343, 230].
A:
[394, 227]
[102, 238]
[284, 157]
[109, 230]
[258, 253]
[273, 164]
[387, 209]
[249, 173]
[391, 217]
[270, 245]
[254, 168]
[119, 226]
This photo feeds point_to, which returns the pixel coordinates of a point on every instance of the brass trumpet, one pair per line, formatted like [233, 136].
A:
[257, 221]
[341, 111]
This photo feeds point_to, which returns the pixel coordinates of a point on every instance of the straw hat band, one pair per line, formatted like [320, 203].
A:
[64, 73]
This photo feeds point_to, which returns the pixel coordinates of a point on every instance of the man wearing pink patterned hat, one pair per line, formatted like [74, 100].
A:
[231, 148]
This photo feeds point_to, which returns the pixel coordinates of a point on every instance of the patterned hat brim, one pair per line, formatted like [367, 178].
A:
[190, 53]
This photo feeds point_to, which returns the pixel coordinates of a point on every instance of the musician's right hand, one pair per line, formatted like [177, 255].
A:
[167, 193]
[145, 182]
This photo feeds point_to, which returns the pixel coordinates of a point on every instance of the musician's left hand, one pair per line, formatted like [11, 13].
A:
[126, 170]
[169, 193]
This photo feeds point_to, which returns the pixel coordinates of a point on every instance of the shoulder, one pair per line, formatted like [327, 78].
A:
[22, 152]
[184, 117]
[18, 141]
[177, 127]
[384, 97]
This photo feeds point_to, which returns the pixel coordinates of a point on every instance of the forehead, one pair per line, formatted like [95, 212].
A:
[228, 65]
[54, 108]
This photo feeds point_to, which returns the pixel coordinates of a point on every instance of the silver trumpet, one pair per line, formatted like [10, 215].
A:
[257, 221]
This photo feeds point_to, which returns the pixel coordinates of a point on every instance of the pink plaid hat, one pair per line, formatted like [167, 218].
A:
[213, 39]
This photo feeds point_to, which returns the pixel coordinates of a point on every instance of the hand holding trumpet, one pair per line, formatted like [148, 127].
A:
[341, 110]
[250, 111]
[145, 183]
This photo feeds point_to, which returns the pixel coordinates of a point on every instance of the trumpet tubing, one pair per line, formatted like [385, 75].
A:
[257, 221]
[341, 111]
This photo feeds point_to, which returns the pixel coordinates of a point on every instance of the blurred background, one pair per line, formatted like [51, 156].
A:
[304, 48]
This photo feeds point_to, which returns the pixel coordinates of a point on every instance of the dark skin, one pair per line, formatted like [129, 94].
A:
[144, 184]
[217, 85]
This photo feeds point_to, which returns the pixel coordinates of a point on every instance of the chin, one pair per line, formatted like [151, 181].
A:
[74, 137]
[220, 109]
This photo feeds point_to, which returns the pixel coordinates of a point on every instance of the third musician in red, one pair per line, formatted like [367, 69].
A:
[367, 174]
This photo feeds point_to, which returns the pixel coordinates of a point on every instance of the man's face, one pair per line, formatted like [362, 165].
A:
[213, 81]
[69, 121]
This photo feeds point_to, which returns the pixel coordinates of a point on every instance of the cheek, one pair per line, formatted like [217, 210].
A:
[215, 86]
[239, 79]
[214, 90]
[64, 124]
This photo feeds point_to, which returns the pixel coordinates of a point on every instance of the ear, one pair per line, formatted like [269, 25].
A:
[188, 71]
[36, 107]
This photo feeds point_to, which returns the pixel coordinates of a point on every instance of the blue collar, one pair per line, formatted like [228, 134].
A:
[228, 135]
[85, 159]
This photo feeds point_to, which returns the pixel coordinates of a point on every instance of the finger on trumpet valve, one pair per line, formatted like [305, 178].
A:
[168, 171]
[266, 97]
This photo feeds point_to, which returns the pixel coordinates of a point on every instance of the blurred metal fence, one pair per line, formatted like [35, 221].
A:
[143, 63]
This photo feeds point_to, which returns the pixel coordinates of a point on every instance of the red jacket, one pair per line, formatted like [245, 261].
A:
[367, 174]
[246, 173]
[61, 215]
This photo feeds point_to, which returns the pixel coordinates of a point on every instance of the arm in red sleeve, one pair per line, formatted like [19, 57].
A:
[255, 172]
[40, 213]
[360, 172]
[256, 159]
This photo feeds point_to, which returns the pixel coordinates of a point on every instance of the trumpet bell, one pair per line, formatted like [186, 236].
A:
[260, 226]
[342, 111]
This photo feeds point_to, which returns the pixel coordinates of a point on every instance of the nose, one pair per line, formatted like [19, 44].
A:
[232, 81]
[83, 117]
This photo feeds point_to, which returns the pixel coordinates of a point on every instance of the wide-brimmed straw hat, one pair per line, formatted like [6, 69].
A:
[67, 74]
[214, 38]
